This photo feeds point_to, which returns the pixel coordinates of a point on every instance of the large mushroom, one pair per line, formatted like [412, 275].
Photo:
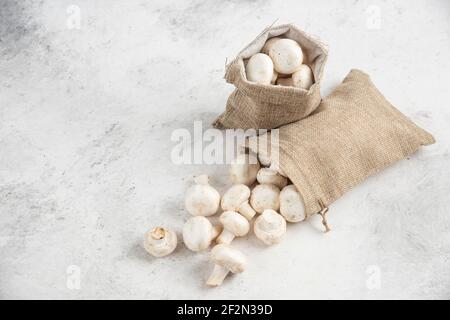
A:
[267, 175]
[303, 77]
[259, 69]
[265, 196]
[244, 169]
[198, 233]
[201, 199]
[270, 227]
[226, 259]
[236, 199]
[160, 242]
[292, 206]
[287, 56]
[234, 225]
[268, 45]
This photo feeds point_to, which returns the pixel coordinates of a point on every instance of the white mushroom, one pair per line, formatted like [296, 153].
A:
[287, 56]
[259, 69]
[265, 196]
[234, 225]
[236, 199]
[201, 199]
[269, 43]
[303, 78]
[285, 82]
[198, 233]
[267, 175]
[291, 204]
[270, 227]
[160, 241]
[226, 259]
[244, 169]
[275, 166]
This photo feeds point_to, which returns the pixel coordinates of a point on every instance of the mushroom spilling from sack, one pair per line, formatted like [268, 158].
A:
[282, 62]
[254, 191]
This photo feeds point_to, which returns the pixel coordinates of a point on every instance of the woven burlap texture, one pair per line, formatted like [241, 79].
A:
[258, 106]
[356, 134]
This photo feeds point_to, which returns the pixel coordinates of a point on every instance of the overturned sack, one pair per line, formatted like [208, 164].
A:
[356, 134]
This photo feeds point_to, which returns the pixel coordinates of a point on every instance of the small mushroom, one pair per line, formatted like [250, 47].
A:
[234, 225]
[267, 175]
[259, 69]
[303, 78]
[236, 199]
[198, 233]
[201, 199]
[269, 43]
[285, 82]
[270, 227]
[265, 196]
[160, 242]
[291, 204]
[287, 56]
[226, 259]
[244, 169]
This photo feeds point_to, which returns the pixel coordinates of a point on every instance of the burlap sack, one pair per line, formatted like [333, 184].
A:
[259, 106]
[357, 133]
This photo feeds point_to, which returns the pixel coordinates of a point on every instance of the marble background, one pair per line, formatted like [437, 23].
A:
[86, 115]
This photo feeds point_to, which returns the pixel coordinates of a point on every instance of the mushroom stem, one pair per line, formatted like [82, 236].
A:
[158, 233]
[246, 210]
[158, 236]
[215, 232]
[217, 276]
[225, 237]
[267, 222]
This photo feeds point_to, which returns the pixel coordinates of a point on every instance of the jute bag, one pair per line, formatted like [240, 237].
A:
[259, 106]
[356, 134]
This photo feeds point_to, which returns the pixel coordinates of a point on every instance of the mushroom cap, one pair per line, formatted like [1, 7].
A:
[270, 227]
[303, 78]
[267, 175]
[229, 258]
[265, 196]
[235, 196]
[201, 199]
[160, 241]
[235, 223]
[287, 56]
[197, 233]
[259, 69]
[269, 43]
[292, 206]
[244, 169]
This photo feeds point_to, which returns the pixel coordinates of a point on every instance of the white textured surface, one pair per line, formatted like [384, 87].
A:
[85, 122]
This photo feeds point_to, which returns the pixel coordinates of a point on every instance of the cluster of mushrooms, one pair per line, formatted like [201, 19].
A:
[271, 194]
[280, 62]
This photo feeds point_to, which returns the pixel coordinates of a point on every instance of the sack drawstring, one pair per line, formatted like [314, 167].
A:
[323, 214]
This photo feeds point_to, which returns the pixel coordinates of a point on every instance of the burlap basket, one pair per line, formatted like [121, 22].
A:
[356, 134]
[259, 106]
